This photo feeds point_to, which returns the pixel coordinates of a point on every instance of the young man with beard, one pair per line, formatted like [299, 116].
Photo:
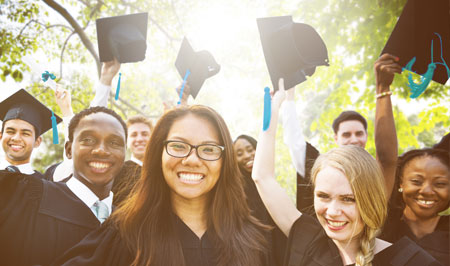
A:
[39, 219]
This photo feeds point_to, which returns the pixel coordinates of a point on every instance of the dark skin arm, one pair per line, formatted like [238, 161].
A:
[386, 143]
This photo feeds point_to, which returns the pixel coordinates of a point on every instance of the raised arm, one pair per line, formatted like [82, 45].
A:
[280, 207]
[385, 134]
[109, 71]
[292, 133]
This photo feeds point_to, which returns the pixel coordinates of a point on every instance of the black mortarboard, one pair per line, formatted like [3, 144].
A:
[292, 50]
[201, 65]
[122, 37]
[415, 30]
[22, 105]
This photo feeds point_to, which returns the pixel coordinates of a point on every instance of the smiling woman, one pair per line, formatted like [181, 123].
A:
[423, 178]
[188, 208]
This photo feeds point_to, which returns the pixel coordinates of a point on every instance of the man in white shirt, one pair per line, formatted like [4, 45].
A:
[139, 131]
[40, 219]
[25, 119]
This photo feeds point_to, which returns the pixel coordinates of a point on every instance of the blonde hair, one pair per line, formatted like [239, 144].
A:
[367, 183]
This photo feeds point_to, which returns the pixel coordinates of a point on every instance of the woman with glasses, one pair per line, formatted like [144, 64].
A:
[188, 208]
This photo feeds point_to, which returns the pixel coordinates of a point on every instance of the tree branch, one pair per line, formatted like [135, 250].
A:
[62, 53]
[137, 9]
[84, 39]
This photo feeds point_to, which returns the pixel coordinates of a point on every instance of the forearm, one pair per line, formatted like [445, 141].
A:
[276, 200]
[101, 95]
[386, 143]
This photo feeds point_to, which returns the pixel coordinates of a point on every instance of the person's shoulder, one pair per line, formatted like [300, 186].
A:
[405, 252]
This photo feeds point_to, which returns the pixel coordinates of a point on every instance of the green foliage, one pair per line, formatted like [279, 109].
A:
[354, 31]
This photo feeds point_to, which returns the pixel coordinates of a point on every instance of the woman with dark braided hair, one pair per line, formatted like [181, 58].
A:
[188, 207]
[422, 186]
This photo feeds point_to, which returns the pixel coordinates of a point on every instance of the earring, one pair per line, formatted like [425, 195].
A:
[400, 189]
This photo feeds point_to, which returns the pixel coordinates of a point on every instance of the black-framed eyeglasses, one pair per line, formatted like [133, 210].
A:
[180, 149]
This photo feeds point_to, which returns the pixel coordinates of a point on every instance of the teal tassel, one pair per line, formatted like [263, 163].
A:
[118, 87]
[267, 109]
[55, 129]
[182, 86]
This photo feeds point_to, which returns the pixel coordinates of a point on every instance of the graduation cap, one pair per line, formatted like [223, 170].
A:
[201, 65]
[292, 50]
[22, 105]
[422, 32]
[122, 37]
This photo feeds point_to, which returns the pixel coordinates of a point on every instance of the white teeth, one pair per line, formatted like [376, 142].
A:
[249, 163]
[190, 177]
[426, 202]
[336, 224]
[99, 165]
[16, 146]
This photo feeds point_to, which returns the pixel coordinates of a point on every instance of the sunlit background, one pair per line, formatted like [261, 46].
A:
[354, 32]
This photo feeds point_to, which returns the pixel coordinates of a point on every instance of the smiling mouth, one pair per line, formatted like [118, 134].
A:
[249, 164]
[335, 226]
[425, 203]
[16, 147]
[99, 167]
[189, 178]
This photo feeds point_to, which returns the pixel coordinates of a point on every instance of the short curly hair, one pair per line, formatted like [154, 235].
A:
[92, 110]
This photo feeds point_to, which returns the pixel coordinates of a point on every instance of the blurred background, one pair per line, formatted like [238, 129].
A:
[60, 36]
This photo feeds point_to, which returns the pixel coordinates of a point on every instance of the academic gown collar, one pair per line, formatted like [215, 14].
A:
[188, 238]
[61, 203]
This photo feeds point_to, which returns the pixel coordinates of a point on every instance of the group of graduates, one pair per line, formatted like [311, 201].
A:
[190, 195]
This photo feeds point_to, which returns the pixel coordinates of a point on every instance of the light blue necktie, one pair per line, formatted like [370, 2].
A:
[101, 210]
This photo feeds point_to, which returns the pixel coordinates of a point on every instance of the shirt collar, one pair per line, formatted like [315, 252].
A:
[23, 168]
[86, 195]
[136, 160]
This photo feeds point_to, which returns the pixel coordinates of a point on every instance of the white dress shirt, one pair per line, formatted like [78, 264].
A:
[293, 137]
[136, 160]
[23, 168]
[87, 196]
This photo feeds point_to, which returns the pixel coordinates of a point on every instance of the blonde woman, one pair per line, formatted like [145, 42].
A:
[350, 206]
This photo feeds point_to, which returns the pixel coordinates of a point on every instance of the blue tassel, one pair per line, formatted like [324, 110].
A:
[46, 75]
[182, 86]
[267, 109]
[118, 87]
[55, 129]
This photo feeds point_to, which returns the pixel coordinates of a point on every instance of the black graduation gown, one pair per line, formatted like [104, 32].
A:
[106, 247]
[308, 245]
[305, 193]
[124, 181]
[436, 243]
[50, 171]
[276, 239]
[39, 219]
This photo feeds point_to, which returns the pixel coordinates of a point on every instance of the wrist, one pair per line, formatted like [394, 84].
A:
[383, 94]
[382, 88]
[106, 80]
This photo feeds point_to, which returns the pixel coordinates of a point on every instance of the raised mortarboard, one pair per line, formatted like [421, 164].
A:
[122, 37]
[292, 50]
[22, 105]
[421, 25]
[201, 65]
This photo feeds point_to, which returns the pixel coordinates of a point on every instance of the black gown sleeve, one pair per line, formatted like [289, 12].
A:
[305, 197]
[103, 246]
